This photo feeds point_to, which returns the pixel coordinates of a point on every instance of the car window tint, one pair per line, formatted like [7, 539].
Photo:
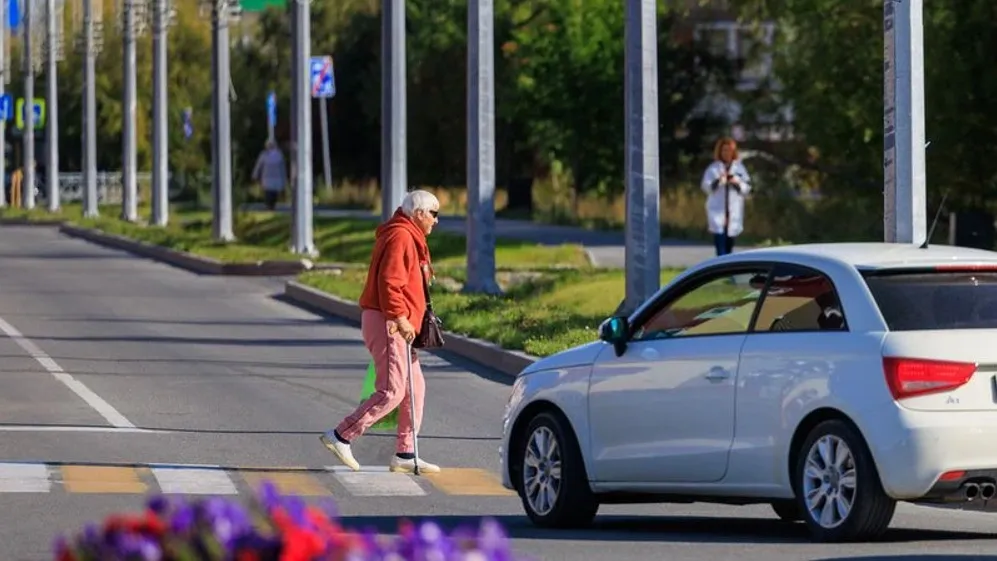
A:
[936, 300]
[721, 304]
[800, 299]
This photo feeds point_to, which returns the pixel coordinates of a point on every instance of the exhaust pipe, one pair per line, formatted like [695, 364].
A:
[970, 491]
[987, 491]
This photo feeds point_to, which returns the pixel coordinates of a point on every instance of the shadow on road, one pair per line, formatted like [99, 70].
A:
[371, 435]
[913, 557]
[689, 529]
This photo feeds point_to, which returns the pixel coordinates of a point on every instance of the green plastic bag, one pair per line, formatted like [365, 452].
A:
[389, 421]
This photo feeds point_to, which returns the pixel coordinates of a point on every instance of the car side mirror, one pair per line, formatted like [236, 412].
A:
[615, 331]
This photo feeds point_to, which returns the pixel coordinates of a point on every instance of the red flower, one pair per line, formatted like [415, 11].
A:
[245, 555]
[300, 544]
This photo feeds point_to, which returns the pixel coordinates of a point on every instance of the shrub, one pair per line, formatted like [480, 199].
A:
[273, 528]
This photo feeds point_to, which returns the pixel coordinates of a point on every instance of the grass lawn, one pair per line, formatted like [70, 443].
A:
[264, 235]
[540, 314]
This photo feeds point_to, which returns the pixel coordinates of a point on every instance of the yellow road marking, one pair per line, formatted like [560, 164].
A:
[101, 479]
[287, 482]
[468, 481]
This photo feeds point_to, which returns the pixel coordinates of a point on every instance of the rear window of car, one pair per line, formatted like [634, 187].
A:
[936, 300]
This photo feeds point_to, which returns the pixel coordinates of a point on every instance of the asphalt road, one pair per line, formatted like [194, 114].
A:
[121, 376]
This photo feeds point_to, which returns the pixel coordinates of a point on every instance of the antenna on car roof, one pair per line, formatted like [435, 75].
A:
[934, 222]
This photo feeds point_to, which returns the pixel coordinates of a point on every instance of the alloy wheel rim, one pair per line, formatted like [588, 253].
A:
[829, 481]
[542, 471]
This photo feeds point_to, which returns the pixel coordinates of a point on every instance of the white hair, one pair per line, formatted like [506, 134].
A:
[419, 200]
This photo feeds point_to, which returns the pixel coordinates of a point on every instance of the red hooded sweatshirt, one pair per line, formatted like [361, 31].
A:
[399, 264]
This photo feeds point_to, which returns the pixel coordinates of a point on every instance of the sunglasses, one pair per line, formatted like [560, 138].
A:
[434, 213]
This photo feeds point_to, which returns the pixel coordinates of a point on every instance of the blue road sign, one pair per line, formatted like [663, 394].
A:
[322, 78]
[6, 107]
[272, 109]
[14, 13]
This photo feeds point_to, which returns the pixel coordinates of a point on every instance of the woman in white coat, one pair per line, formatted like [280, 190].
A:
[726, 183]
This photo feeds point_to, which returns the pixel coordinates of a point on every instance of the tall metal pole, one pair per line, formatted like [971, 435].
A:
[52, 101]
[90, 49]
[160, 153]
[297, 60]
[394, 162]
[643, 228]
[303, 239]
[4, 72]
[28, 136]
[904, 199]
[129, 184]
[481, 148]
[222, 130]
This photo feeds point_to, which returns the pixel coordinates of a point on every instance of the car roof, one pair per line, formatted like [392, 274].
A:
[876, 255]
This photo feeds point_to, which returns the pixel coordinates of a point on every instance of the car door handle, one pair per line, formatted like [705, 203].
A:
[717, 373]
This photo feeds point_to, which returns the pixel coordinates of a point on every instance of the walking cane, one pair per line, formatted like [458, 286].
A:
[411, 398]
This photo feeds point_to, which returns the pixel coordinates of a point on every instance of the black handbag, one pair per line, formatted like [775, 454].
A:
[431, 332]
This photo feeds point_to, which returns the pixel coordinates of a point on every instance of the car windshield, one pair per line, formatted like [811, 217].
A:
[922, 300]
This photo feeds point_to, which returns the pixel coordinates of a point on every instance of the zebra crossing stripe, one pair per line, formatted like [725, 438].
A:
[24, 478]
[176, 480]
[376, 481]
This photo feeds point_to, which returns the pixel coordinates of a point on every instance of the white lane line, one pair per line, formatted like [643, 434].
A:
[177, 480]
[379, 484]
[104, 408]
[24, 478]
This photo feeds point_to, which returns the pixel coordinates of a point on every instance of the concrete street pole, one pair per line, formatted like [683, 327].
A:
[221, 131]
[28, 135]
[904, 199]
[394, 158]
[303, 235]
[160, 147]
[481, 148]
[91, 46]
[643, 228]
[129, 182]
[52, 36]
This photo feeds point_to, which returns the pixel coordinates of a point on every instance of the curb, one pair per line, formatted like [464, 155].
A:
[30, 222]
[184, 260]
[510, 363]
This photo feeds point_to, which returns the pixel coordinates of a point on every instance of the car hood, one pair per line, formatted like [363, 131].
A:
[583, 355]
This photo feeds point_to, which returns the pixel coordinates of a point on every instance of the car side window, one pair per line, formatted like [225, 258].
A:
[719, 305]
[800, 299]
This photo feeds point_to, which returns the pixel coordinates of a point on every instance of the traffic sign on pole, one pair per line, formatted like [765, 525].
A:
[6, 111]
[260, 5]
[322, 79]
[38, 112]
[272, 109]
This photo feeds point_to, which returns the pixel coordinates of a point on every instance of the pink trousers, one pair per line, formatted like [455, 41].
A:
[390, 386]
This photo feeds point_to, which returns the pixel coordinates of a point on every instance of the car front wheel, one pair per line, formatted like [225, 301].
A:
[838, 487]
[552, 482]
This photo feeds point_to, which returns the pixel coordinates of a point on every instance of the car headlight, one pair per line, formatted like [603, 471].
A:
[515, 396]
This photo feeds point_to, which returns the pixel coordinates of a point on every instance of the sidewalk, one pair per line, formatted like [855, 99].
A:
[605, 248]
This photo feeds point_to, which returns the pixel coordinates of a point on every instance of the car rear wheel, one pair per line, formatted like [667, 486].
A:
[552, 482]
[837, 486]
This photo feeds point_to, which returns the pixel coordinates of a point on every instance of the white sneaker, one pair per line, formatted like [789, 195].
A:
[342, 451]
[399, 465]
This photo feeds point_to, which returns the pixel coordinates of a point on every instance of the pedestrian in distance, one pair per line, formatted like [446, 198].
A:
[394, 303]
[271, 171]
[726, 183]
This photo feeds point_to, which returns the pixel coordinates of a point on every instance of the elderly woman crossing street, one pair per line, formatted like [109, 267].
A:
[394, 303]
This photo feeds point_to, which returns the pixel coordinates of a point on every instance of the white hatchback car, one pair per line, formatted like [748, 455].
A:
[829, 381]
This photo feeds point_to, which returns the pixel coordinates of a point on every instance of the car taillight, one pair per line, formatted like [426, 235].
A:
[909, 377]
